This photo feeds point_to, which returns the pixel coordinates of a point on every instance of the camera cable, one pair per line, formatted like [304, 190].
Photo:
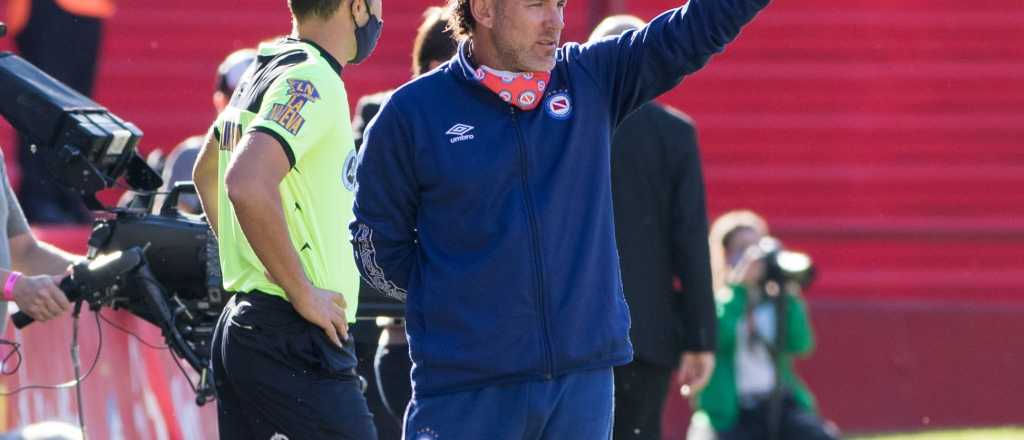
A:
[75, 360]
[130, 333]
[68, 384]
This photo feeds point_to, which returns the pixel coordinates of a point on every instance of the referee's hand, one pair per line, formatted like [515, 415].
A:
[326, 309]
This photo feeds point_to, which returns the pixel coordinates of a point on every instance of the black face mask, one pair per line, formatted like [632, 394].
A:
[366, 36]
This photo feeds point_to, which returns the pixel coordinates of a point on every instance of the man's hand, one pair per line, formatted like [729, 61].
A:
[39, 296]
[695, 371]
[326, 309]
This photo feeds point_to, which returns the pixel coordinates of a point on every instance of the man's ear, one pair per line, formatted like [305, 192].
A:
[484, 12]
[360, 12]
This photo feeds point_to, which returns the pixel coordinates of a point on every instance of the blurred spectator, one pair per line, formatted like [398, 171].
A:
[388, 380]
[660, 226]
[181, 159]
[62, 38]
[755, 361]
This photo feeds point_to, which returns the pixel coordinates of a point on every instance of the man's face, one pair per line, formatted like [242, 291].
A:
[527, 32]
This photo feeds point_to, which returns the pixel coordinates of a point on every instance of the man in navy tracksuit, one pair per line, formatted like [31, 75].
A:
[483, 199]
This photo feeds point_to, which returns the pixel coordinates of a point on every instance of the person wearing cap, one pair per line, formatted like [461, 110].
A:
[182, 158]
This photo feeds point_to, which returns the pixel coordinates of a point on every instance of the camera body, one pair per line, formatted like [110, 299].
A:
[785, 267]
[182, 256]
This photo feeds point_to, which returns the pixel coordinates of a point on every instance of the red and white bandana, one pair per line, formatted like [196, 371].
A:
[523, 90]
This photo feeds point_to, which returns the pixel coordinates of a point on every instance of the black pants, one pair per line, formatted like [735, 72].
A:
[278, 376]
[795, 423]
[66, 47]
[640, 390]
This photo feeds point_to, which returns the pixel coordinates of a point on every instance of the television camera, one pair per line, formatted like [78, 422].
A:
[160, 267]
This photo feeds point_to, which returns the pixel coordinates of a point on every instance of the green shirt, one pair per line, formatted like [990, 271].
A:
[294, 93]
[719, 401]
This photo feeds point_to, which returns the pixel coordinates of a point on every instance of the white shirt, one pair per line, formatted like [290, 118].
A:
[755, 371]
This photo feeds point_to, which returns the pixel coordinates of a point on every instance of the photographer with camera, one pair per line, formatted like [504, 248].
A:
[754, 392]
[32, 269]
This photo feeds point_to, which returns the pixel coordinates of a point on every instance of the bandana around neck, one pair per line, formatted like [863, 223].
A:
[522, 90]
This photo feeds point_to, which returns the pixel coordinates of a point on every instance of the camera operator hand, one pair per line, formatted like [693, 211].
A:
[749, 270]
[40, 297]
[325, 309]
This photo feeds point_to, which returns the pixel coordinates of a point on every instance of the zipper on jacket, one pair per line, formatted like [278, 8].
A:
[535, 239]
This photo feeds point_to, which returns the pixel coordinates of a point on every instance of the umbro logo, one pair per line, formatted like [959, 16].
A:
[459, 129]
[461, 133]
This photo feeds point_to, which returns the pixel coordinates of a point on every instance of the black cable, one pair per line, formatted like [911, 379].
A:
[172, 324]
[137, 337]
[69, 384]
[187, 377]
[15, 351]
[76, 362]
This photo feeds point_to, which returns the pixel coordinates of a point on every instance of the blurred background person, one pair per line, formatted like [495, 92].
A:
[660, 226]
[178, 167]
[62, 38]
[384, 354]
[754, 392]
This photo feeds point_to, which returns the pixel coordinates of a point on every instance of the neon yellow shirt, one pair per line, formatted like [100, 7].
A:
[294, 93]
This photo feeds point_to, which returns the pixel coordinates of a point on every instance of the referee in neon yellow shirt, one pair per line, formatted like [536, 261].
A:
[275, 178]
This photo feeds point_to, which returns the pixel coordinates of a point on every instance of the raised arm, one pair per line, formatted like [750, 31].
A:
[639, 65]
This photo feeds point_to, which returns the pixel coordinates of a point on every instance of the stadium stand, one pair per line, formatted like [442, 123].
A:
[882, 137]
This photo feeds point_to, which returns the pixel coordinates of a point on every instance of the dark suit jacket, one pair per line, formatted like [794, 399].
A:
[662, 228]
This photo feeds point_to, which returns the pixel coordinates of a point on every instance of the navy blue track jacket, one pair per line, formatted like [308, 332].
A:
[496, 224]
